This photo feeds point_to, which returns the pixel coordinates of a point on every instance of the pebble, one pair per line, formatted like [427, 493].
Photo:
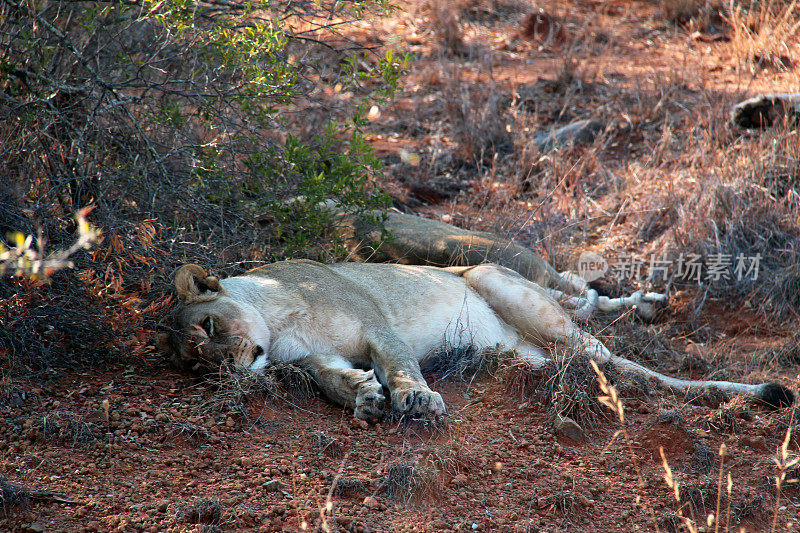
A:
[567, 427]
[459, 480]
[371, 502]
[273, 485]
[696, 350]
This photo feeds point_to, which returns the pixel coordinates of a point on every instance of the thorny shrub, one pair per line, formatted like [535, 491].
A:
[180, 122]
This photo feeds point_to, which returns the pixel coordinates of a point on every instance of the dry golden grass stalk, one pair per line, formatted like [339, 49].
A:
[613, 402]
[784, 461]
[669, 479]
[722, 451]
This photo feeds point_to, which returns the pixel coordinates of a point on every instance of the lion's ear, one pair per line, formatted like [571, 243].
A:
[193, 284]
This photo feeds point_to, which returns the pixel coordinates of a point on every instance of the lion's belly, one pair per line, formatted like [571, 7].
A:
[451, 321]
[429, 308]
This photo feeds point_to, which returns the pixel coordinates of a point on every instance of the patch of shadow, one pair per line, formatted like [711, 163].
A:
[464, 364]
[747, 507]
[13, 398]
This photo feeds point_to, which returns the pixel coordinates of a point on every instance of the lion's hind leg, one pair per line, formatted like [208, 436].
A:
[539, 319]
[352, 387]
[581, 301]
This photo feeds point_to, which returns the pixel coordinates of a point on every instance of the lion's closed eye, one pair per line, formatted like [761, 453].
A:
[208, 326]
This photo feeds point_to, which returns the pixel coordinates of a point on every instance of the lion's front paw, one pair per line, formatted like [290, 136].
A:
[370, 401]
[418, 400]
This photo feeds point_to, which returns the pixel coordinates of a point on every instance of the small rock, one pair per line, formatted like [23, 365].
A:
[371, 502]
[273, 485]
[696, 350]
[567, 427]
[757, 442]
[230, 422]
[576, 133]
[245, 461]
[360, 424]
[344, 521]
[585, 501]
[459, 480]
[37, 527]
[162, 506]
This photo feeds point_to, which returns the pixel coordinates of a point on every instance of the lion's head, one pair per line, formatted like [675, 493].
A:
[211, 327]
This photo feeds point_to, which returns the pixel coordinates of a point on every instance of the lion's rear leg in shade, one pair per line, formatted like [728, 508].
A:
[352, 387]
[581, 301]
[540, 319]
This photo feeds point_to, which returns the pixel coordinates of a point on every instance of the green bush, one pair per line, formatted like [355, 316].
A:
[190, 112]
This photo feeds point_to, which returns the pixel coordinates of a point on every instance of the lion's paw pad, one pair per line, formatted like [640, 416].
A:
[370, 404]
[419, 401]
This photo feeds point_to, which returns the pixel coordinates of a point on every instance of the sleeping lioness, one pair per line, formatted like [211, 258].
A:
[363, 328]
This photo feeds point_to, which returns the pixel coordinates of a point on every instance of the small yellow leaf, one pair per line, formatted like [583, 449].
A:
[18, 239]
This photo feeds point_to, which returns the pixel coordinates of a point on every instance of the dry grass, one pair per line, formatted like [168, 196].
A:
[764, 33]
[409, 483]
[751, 211]
[12, 495]
[682, 10]
[71, 429]
[714, 499]
[464, 364]
[235, 388]
[326, 444]
[731, 417]
[478, 120]
[199, 512]
[566, 386]
[454, 456]
[445, 25]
